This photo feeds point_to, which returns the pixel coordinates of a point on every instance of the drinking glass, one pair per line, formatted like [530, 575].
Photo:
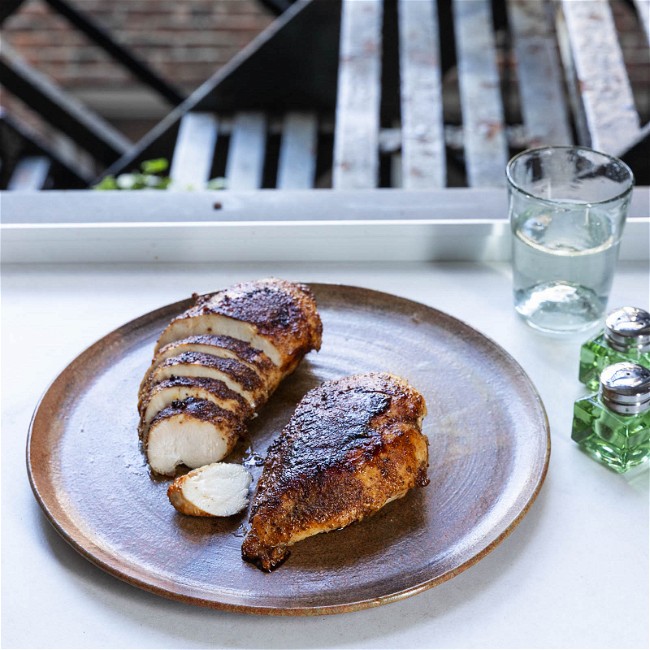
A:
[567, 210]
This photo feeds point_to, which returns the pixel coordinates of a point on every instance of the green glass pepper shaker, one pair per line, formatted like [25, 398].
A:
[626, 337]
[613, 425]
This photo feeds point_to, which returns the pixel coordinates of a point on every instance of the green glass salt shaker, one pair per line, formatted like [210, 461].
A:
[613, 425]
[626, 337]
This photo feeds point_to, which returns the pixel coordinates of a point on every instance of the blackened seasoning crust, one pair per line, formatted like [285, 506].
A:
[243, 340]
[240, 349]
[213, 386]
[352, 446]
[276, 316]
[197, 408]
[268, 307]
[190, 431]
[233, 373]
[162, 394]
[236, 370]
[221, 346]
[327, 426]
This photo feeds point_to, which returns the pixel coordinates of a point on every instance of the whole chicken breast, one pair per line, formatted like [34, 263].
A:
[352, 446]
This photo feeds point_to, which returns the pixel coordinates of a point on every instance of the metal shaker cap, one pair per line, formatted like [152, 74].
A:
[628, 328]
[625, 388]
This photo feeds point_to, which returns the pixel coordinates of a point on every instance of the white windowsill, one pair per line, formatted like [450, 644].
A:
[267, 225]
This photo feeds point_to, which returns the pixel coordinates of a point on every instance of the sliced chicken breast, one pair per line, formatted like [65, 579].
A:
[193, 432]
[219, 346]
[234, 374]
[177, 389]
[246, 339]
[215, 490]
[275, 316]
[352, 446]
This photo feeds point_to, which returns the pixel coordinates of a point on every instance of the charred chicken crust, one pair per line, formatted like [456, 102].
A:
[243, 340]
[277, 315]
[212, 390]
[351, 446]
[200, 409]
[210, 344]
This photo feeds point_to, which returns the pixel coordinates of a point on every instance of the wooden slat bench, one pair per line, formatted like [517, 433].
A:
[486, 149]
[247, 150]
[423, 163]
[606, 116]
[248, 133]
[194, 150]
[410, 99]
[356, 141]
[30, 174]
[297, 162]
[544, 109]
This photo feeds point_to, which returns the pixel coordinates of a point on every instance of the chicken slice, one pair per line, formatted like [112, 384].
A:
[272, 315]
[219, 346]
[177, 389]
[237, 377]
[352, 446]
[215, 490]
[192, 432]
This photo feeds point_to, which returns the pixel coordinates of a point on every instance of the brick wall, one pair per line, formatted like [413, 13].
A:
[184, 40]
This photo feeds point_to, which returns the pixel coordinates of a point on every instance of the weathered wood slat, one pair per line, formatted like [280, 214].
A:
[194, 151]
[245, 163]
[604, 95]
[297, 163]
[539, 73]
[423, 143]
[486, 151]
[29, 174]
[356, 148]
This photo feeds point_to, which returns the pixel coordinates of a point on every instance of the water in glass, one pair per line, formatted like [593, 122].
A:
[563, 261]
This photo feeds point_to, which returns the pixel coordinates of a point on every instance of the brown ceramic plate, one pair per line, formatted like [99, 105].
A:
[489, 451]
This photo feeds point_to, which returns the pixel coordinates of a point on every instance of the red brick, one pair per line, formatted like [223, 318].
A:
[185, 39]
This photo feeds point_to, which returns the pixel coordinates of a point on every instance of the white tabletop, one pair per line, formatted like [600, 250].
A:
[573, 574]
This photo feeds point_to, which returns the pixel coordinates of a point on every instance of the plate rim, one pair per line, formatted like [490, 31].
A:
[101, 558]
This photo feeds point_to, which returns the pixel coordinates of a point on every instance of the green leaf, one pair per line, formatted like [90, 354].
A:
[107, 183]
[149, 178]
[155, 166]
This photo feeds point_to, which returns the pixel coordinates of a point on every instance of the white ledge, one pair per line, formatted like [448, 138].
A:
[318, 225]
